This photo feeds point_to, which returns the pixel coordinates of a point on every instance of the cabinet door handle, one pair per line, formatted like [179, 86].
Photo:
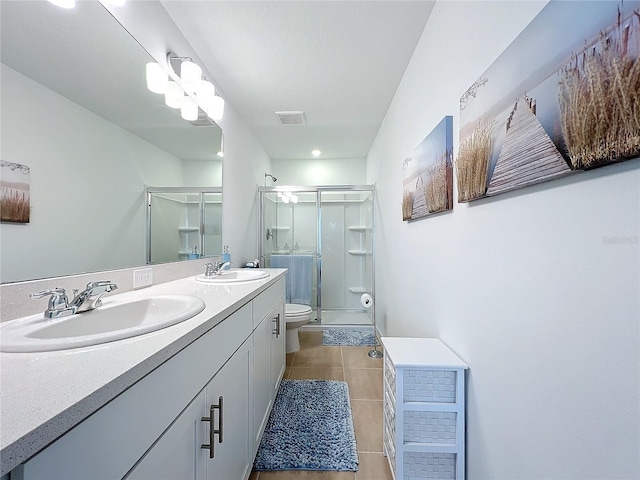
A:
[276, 330]
[212, 430]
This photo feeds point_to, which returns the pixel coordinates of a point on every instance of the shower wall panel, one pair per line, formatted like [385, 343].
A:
[333, 256]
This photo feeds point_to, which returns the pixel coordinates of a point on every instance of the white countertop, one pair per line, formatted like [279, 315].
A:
[421, 352]
[45, 394]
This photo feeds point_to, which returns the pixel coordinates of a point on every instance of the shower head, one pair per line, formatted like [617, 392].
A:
[272, 178]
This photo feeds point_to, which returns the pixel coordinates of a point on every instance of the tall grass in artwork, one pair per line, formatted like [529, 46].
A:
[407, 205]
[599, 96]
[14, 206]
[472, 164]
[435, 187]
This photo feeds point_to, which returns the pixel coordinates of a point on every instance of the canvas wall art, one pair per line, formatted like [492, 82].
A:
[428, 174]
[564, 97]
[14, 192]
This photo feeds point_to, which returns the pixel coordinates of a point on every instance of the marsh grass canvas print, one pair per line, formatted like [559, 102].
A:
[564, 97]
[428, 174]
[14, 192]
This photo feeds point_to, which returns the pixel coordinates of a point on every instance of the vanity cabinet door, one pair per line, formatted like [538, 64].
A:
[262, 396]
[177, 452]
[228, 393]
[277, 347]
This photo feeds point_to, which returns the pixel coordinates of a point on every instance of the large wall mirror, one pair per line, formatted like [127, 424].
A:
[81, 129]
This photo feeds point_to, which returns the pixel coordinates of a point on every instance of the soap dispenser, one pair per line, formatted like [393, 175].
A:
[226, 256]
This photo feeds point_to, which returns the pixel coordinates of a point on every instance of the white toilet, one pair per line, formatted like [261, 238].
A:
[295, 316]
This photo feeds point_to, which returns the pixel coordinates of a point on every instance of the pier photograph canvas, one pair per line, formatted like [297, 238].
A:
[564, 97]
[14, 192]
[428, 174]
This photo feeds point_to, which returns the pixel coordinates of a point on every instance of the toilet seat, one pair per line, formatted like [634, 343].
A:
[294, 312]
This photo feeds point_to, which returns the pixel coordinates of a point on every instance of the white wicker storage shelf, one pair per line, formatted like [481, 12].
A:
[424, 411]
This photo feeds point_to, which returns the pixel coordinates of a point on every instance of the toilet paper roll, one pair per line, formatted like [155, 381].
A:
[366, 301]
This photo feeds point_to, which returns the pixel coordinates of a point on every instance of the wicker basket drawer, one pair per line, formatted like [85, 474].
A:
[436, 466]
[429, 427]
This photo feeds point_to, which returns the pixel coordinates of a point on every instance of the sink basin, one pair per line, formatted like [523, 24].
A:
[112, 321]
[235, 276]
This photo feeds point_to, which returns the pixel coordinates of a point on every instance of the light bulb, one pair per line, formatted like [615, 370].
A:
[190, 75]
[316, 153]
[157, 78]
[189, 109]
[174, 94]
[294, 198]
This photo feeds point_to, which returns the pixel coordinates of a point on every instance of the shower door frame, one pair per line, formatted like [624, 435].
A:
[318, 190]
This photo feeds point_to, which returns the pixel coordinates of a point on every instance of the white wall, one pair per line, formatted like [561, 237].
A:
[537, 290]
[349, 171]
[87, 180]
[245, 161]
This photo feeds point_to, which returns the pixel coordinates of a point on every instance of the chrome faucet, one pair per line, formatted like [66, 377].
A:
[211, 269]
[58, 303]
[90, 297]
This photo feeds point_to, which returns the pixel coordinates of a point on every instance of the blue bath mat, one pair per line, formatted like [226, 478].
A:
[348, 337]
[310, 428]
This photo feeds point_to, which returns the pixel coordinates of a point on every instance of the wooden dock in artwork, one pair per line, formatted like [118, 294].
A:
[528, 155]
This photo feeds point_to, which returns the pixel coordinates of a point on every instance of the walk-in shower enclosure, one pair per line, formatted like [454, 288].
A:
[324, 235]
[183, 223]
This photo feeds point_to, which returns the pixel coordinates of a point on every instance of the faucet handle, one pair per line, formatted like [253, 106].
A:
[58, 302]
[106, 284]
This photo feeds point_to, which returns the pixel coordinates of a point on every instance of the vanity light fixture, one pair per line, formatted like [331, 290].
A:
[192, 80]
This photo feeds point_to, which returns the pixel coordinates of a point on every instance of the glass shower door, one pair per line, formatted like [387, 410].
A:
[347, 256]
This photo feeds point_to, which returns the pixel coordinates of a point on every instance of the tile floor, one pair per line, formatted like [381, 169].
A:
[364, 377]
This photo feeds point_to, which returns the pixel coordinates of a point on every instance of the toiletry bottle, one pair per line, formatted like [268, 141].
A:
[226, 256]
[194, 253]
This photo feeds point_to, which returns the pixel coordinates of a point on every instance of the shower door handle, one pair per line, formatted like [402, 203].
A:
[276, 330]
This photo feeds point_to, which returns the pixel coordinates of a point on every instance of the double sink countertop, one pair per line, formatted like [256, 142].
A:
[45, 394]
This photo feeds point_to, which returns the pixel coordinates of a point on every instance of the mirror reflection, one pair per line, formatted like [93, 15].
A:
[78, 119]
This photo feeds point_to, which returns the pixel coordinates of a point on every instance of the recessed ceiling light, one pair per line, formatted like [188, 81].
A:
[316, 153]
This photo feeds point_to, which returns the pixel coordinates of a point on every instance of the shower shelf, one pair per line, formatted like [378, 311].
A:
[188, 229]
[358, 228]
[357, 290]
[357, 252]
[284, 229]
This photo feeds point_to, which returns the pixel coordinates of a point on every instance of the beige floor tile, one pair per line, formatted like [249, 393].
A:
[318, 357]
[254, 475]
[358, 357]
[306, 475]
[364, 383]
[290, 357]
[373, 466]
[367, 423]
[316, 373]
[287, 371]
[310, 339]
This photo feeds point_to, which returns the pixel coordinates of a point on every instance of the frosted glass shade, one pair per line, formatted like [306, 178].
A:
[190, 75]
[174, 94]
[157, 78]
[206, 91]
[189, 109]
[215, 108]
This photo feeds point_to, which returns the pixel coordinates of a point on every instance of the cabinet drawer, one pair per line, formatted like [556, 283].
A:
[266, 300]
[109, 442]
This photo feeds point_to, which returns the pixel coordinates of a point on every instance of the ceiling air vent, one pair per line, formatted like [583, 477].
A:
[291, 118]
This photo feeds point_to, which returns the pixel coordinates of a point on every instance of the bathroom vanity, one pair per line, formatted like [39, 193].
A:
[424, 409]
[187, 401]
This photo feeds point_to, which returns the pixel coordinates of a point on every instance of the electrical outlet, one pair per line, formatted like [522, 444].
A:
[142, 278]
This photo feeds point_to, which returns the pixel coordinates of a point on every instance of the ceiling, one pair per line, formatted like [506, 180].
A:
[338, 61]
